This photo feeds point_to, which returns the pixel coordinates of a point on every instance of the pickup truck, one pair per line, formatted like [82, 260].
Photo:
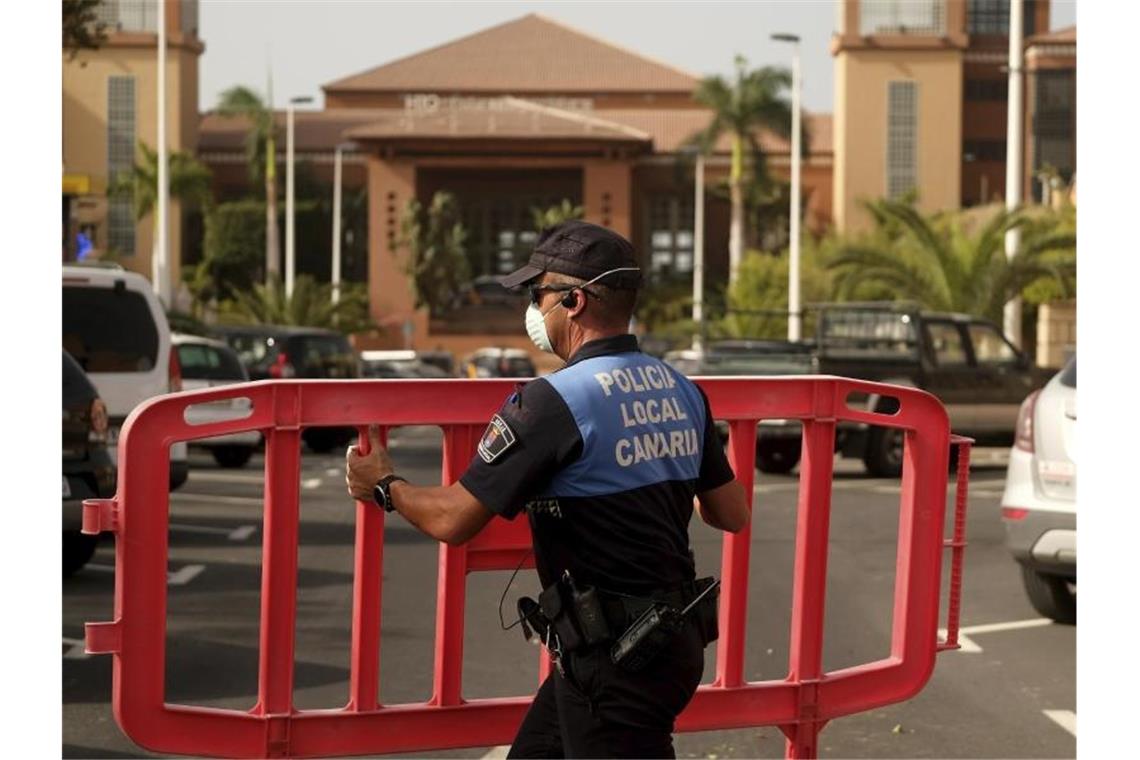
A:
[965, 361]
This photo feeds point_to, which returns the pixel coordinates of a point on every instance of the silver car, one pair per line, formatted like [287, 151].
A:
[1039, 506]
[208, 364]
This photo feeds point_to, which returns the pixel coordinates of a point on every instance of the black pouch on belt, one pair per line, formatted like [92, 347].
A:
[554, 607]
[588, 611]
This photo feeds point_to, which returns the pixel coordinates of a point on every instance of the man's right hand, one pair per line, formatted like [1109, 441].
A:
[364, 471]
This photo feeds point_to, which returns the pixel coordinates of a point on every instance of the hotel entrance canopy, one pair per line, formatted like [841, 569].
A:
[500, 125]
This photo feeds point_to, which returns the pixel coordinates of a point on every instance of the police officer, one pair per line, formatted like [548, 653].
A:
[605, 456]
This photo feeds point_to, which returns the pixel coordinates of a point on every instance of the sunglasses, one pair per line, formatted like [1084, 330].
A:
[536, 291]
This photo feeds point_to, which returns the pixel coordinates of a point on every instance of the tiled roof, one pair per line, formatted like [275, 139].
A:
[671, 128]
[1066, 36]
[532, 54]
[313, 130]
[504, 118]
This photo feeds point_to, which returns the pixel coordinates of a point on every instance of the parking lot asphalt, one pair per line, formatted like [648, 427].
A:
[1011, 691]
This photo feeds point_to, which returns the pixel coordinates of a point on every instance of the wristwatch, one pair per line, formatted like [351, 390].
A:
[381, 493]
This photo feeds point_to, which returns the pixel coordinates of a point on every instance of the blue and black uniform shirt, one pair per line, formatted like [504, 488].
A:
[605, 455]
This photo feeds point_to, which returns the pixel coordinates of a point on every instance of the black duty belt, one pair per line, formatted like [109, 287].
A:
[568, 617]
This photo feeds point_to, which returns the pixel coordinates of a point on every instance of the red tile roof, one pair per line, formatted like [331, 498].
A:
[1066, 36]
[671, 128]
[313, 130]
[504, 118]
[557, 59]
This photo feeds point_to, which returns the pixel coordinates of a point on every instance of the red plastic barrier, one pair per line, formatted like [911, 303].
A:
[800, 705]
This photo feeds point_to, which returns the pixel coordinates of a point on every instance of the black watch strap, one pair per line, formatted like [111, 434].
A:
[382, 494]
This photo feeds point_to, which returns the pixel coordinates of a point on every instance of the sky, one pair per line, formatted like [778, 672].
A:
[313, 42]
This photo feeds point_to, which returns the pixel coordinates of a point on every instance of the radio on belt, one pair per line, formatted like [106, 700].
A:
[642, 641]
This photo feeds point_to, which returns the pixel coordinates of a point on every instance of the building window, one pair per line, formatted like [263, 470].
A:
[902, 137]
[1054, 124]
[986, 89]
[918, 17]
[984, 150]
[188, 24]
[670, 235]
[120, 158]
[501, 233]
[129, 15]
[988, 17]
[992, 17]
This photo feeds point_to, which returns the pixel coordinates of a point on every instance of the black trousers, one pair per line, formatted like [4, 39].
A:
[599, 710]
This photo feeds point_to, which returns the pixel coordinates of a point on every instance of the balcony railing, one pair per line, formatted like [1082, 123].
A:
[903, 17]
[129, 15]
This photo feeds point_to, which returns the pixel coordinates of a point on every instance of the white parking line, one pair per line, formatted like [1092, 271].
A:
[240, 533]
[839, 485]
[209, 476]
[1011, 626]
[776, 488]
[214, 498]
[965, 643]
[180, 577]
[311, 483]
[497, 753]
[185, 575]
[968, 645]
[76, 649]
[1066, 719]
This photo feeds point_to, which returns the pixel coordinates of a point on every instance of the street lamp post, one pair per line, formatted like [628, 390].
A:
[699, 253]
[336, 219]
[1013, 158]
[795, 317]
[160, 264]
[290, 229]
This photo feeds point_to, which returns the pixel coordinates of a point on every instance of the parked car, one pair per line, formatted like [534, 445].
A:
[499, 362]
[115, 328]
[210, 363]
[445, 360]
[403, 364]
[1039, 505]
[88, 469]
[973, 369]
[488, 292]
[279, 351]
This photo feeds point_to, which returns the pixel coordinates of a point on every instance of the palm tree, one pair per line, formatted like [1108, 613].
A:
[261, 152]
[189, 181]
[82, 29]
[435, 239]
[553, 215]
[310, 306]
[755, 101]
[941, 263]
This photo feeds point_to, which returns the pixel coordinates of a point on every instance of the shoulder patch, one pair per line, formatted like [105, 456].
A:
[496, 439]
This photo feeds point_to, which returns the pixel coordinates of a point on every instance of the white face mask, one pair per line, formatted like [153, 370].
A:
[536, 319]
[536, 327]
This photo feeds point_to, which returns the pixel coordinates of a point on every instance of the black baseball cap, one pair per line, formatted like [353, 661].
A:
[583, 250]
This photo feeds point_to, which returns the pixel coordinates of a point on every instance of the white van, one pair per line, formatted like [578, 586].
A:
[115, 327]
